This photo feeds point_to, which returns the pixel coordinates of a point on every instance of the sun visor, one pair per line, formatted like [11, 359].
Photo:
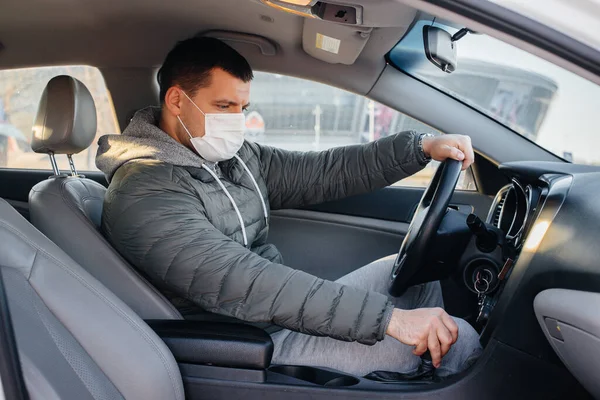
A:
[334, 43]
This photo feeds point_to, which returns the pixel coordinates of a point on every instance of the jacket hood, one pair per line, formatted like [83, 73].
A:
[143, 139]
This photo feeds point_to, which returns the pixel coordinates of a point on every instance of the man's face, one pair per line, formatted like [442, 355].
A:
[224, 94]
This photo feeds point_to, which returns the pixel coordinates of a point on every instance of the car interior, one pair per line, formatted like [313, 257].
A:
[516, 255]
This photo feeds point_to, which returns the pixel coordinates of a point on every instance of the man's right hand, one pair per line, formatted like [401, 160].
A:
[425, 328]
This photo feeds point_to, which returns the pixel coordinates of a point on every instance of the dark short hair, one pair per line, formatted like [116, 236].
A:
[189, 64]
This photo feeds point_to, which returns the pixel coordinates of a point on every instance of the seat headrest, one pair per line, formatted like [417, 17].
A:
[66, 119]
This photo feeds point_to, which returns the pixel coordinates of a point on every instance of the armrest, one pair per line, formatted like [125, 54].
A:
[217, 343]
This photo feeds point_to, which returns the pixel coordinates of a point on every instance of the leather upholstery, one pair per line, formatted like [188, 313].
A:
[75, 338]
[66, 119]
[217, 343]
[68, 211]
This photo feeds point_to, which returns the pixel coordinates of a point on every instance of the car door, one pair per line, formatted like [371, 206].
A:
[330, 240]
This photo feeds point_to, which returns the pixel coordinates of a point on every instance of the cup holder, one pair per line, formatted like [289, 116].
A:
[342, 381]
[314, 375]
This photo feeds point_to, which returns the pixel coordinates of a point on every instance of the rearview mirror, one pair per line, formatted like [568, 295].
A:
[439, 48]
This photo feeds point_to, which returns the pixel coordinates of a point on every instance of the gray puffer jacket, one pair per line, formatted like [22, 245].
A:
[167, 214]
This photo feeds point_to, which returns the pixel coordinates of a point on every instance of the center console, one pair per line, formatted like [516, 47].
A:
[211, 352]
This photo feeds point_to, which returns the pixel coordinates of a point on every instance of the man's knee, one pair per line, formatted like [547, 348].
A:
[467, 335]
[465, 351]
[430, 295]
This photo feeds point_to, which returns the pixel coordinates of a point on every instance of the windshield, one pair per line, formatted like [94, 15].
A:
[549, 105]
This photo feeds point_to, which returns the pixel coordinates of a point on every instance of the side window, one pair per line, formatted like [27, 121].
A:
[20, 93]
[297, 114]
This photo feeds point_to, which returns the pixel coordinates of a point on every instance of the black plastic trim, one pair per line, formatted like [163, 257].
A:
[502, 372]
[222, 373]
[398, 203]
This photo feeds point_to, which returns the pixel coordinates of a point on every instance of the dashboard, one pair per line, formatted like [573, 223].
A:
[509, 220]
[549, 221]
[545, 281]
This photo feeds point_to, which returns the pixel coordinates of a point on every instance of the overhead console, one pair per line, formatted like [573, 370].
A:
[336, 32]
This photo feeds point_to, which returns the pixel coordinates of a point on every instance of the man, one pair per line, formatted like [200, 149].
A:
[189, 201]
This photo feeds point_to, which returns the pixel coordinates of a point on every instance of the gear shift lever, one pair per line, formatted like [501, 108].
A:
[423, 373]
[426, 366]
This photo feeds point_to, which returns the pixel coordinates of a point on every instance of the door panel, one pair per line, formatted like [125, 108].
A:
[399, 203]
[332, 239]
[332, 245]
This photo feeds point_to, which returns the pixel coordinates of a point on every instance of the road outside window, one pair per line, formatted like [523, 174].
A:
[297, 114]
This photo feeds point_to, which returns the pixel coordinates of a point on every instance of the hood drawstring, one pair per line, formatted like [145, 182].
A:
[260, 195]
[235, 207]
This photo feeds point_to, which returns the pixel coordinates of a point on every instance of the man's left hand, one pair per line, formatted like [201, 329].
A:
[457, 147]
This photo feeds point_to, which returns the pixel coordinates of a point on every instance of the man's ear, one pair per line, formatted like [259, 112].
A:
[173, 100]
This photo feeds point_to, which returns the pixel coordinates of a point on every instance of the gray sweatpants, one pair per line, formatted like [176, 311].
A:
[293, 348]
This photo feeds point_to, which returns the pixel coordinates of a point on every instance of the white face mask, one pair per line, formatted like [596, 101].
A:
[223, 135]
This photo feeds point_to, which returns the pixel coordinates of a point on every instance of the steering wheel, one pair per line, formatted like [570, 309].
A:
[415, 249]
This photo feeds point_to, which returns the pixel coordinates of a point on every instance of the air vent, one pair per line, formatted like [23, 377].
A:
[498, 210]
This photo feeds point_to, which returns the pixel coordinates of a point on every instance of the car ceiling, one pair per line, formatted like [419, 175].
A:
[128, 40]
[139, 33]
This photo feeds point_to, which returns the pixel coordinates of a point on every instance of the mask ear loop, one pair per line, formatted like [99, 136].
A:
[195, 105]
[191, 101]
[185, 127]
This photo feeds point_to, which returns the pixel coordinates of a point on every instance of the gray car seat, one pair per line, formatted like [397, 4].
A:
[68, 208]
[75, 339]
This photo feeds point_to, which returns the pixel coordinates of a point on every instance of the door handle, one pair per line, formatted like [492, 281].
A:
[463, 208]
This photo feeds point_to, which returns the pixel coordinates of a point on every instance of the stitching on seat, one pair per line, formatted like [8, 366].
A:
[102, 297]
[43, 320]
[66, 199]
[85, 198]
